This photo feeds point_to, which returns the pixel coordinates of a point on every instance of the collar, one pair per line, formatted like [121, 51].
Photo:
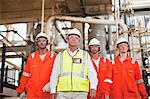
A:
[127, 59]
[68, 49]
[73, 53]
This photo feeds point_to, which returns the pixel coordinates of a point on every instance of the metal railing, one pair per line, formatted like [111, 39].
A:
[10, 72]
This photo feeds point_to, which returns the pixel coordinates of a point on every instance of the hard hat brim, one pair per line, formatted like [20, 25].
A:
[41, 37]
[74, 34]
[121, 42]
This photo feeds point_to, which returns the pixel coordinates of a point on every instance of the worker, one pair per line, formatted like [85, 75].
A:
[35, 76]
[127, 80]
[103, 68]
[72, 71]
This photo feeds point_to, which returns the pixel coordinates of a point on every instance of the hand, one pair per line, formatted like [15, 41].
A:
[23, 95]
[20, 89]
[50, 43]
[107, 96]
[92, 93]
[46, 88]
[53, 96]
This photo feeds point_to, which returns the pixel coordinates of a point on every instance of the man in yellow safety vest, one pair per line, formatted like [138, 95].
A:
[72, 71]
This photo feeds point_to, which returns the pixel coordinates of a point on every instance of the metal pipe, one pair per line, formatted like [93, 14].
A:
[59, 29]
[9, 44]
[51, 20]
[110, 41]
[15, 33]
[42, 17]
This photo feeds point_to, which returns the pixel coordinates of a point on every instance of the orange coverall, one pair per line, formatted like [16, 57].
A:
[104, 75]
[127, 80]
[36, 75]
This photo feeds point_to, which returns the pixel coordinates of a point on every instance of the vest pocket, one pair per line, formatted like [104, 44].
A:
[116, 82]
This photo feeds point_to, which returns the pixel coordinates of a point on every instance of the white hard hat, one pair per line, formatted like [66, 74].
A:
[74, 31]
[41, 34]
[94, 41]
[121, 40]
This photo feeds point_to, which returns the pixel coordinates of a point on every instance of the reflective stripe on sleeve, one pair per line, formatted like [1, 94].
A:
[108, 80]
[139, 81]
[26, 74]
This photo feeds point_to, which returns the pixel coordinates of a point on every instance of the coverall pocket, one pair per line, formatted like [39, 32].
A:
[131, 81]
[103, 72]
[115, 77]
[33, 66]
[104, 69]
[115, 73]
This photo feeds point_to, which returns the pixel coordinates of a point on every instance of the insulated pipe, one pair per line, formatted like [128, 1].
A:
[51, 20]
[42, 17]
[110, 41]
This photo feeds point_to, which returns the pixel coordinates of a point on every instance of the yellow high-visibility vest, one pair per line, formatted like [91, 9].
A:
[73, 72]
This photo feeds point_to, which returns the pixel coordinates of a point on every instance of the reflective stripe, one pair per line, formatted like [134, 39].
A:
[61, 62]
[26, 74]
[33, 54]
[73, 74]
[139, 81]
[104, 59]
[108, 80]
[83, 62]
[113, 61]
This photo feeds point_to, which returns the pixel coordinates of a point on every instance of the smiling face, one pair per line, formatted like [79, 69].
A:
[123, 48]
[73, 40]
[42, 42]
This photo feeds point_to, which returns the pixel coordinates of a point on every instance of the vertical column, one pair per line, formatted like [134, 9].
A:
[2, 68]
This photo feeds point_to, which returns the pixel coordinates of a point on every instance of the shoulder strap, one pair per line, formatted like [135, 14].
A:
[113, 61]
[61, 61]
[84, 57]
[104, 59]
[83, 61]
